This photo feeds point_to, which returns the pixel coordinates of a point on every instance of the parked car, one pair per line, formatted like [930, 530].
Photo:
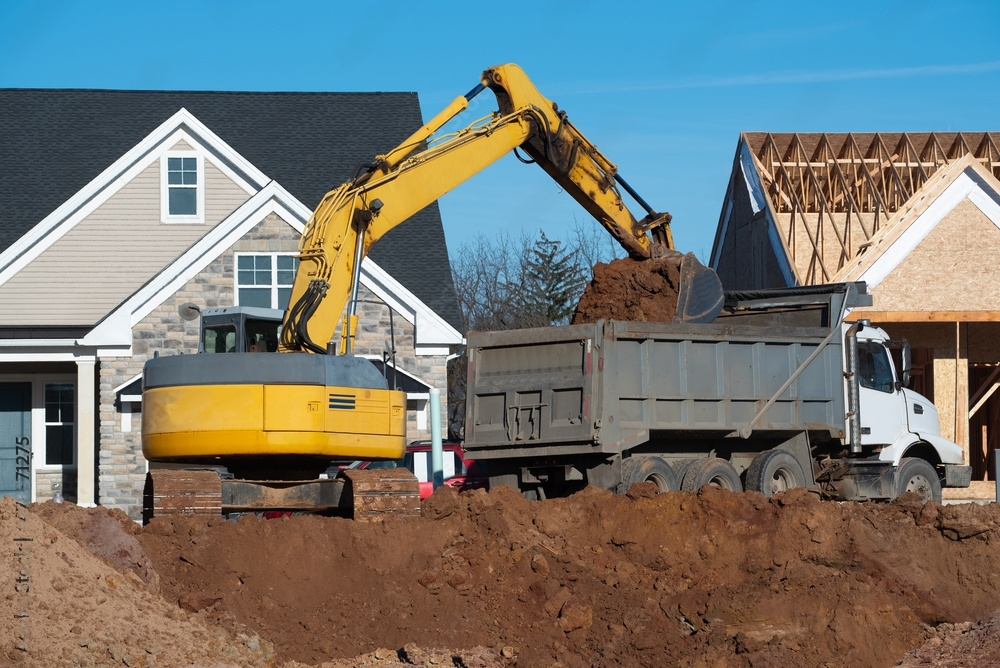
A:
[459, 472]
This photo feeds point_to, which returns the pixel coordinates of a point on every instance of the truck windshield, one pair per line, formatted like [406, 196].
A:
[873, 363]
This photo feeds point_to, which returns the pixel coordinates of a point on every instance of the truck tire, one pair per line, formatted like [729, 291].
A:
[711, 471]
[917, 475]
[649, 469]
[774, 471]
[680, 467]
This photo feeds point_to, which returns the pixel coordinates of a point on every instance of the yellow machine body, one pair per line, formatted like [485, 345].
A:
[186, 422]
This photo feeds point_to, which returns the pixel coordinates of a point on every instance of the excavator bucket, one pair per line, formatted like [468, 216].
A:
[700, 298]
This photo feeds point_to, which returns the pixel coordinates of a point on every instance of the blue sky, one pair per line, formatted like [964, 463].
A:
[663, 89]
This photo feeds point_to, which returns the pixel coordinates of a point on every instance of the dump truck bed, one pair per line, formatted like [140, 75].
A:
[609, 386]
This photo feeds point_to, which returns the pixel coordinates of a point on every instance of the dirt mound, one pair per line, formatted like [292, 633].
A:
[627, 289]
[712, 579]
[63, 606]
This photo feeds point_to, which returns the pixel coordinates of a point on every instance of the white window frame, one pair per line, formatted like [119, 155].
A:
[274, 275]
[165, 216]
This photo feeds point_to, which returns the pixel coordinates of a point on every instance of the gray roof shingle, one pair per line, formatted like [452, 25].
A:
[55, 141]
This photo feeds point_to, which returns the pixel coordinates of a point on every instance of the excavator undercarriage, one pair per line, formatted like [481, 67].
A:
[365, 495]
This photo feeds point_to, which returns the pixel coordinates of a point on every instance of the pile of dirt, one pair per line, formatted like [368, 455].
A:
[65, 607]
[627, 289]
[707, 579]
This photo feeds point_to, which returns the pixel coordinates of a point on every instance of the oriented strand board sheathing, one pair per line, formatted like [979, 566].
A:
[954, 268]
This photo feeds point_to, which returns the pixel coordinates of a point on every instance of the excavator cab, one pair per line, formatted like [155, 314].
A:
[240, 329]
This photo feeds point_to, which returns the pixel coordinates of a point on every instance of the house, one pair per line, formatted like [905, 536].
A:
[117, 207]
[914, 215]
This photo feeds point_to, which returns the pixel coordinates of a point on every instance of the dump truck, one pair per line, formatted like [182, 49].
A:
[781, 391]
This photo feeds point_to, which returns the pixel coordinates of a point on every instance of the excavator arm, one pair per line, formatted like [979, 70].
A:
[420, 170]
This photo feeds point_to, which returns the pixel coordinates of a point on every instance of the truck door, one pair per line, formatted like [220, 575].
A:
[883, 414]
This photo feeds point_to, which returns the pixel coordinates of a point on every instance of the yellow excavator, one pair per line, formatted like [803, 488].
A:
[276, 420]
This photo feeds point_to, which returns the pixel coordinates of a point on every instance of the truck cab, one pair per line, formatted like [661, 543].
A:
[895, 419]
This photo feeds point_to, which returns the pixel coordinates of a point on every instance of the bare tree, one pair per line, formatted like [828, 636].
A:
[591, 243]
[498, 288]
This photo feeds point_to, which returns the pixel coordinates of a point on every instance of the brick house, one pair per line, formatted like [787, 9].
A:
[116, 207]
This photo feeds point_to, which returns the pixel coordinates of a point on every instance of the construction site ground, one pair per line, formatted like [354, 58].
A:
[481, 578]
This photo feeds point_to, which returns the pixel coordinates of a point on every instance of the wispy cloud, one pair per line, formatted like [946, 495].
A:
[784, 78]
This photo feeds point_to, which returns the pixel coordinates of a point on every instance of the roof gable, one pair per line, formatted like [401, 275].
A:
[827, 199]
[965, 179]
[308, 142]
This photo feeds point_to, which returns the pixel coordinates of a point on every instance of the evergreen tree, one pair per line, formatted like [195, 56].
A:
[554, 280]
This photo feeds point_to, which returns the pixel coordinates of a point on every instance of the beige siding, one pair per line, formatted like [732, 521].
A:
[111, 254]
[953, 269]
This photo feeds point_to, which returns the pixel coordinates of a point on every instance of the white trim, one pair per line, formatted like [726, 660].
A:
[747, 166]
[399, 370]
[429, 327]
[199, 188]
[126, 417]
[421, 350]
[126, 384]
[182, 126]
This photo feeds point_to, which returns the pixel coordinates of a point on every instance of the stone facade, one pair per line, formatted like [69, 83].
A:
[122, 468]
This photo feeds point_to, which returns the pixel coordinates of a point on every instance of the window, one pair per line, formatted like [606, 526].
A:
[873, 364]
[60, 422]
[182, 183]
[219, 339]
[265, 280]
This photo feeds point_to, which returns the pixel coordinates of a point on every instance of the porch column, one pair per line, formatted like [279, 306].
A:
[85, 404]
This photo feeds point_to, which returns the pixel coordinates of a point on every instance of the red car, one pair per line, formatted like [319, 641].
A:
[459, 472]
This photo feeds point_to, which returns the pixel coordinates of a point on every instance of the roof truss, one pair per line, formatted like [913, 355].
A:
[838, 190]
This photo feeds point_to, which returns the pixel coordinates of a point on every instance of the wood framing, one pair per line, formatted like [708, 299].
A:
[831, 193]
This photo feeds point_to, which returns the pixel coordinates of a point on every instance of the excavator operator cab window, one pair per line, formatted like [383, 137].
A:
[262, 335]
[219, 339]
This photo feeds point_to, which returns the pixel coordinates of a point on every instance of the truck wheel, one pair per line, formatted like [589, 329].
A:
[774, 471]
[917, 475]
[680, 467]
[649, 469]
[711, 471]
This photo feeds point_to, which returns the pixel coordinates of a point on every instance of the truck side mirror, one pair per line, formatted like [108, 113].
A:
[907, 363]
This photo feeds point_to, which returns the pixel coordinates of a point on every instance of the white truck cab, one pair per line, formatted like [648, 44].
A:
[897, 422]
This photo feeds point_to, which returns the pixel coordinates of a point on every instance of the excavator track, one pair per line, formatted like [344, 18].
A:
[364, 495]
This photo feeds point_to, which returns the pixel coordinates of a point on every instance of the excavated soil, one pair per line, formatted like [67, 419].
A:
[627, 289]
[708, 579]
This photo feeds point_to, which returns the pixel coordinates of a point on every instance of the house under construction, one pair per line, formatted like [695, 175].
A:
[917, 217]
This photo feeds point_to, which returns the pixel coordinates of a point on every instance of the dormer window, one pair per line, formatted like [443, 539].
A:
[182, 187]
